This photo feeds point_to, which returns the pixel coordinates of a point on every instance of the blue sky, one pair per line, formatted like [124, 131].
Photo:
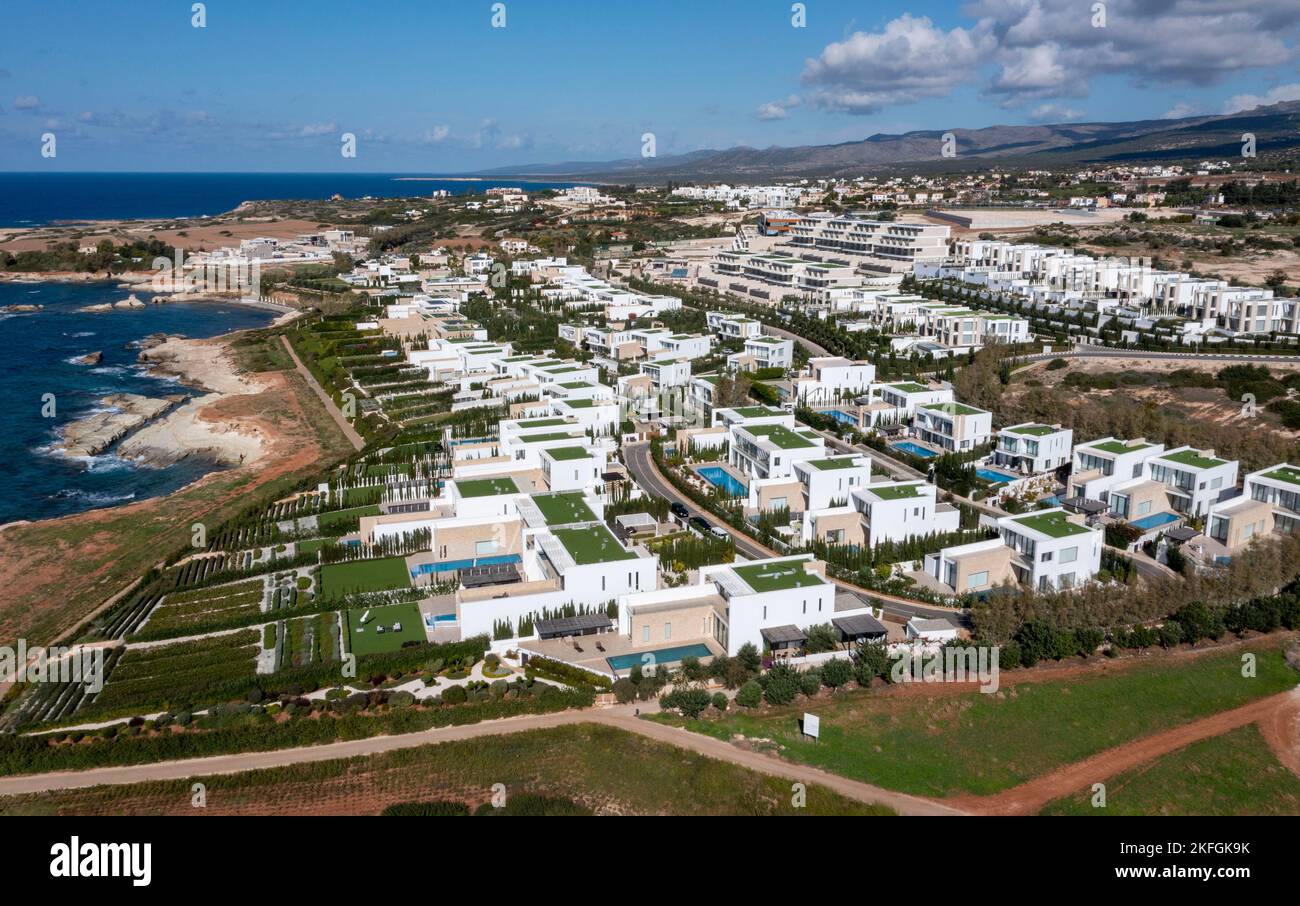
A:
[431, 86]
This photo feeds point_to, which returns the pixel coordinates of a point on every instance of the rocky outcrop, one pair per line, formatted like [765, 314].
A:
[126, 412]
[90, 358]
[17, 309]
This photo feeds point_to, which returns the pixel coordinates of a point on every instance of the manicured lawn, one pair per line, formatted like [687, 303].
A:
[587, 763]
[1232, 774]
[366, 638]
[338, 579]
[338, 521]
[942, 745]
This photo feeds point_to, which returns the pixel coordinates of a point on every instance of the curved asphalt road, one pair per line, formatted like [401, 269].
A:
[647, 475]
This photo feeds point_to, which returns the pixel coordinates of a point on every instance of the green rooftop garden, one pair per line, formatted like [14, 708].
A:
[567, 454]
[895, 491]
[763, 577]
[1286, 473]
[952, 408]
[1054, 524]
[1116, 447]
[757, 411]
[1032, 430]
[540, 438]
[780, 435]
[1192, 459]
[577, 385]
[593, 544]
[564, 509]
[827, 465]
[580, 403]
[542, 423]
[909, 387]
[487, 487]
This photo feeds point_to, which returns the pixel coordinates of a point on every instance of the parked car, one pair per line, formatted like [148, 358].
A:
[701, 523]
[719, 532]
[679, 510]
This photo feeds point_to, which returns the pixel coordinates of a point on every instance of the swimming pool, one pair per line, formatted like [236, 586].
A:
[445, 566]
[1155, 520]
[721, 478]
[842, 417]
[651, 659]
[915, 449]
[994, 476]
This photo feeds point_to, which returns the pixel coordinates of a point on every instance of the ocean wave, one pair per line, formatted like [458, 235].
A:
[108, 369]
[80, 333]
[98, 498]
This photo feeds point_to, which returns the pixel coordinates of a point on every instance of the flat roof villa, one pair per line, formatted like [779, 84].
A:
[1194, 479]
[1050, 549]
[771, 450]
[1032, 447]
[592, 544]
[1100, 465]
[952, 426]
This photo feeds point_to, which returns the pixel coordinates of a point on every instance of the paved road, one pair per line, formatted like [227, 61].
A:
[647, 475]
[623, 717]
[335, 413]
[1107, 352]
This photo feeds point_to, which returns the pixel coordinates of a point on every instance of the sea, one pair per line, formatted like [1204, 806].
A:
[40, 198]
[39, 349]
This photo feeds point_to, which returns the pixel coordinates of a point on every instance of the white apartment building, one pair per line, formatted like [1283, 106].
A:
[880, 246]
[905, 396]
[732, 327]
[1050, 550]
[1193, 480]
[764, 352]
[771, 451]
[954, 427]
[831, 379]
[897, 510]
[1032, 447]
[1098, 466]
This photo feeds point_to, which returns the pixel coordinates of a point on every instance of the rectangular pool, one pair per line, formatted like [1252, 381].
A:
[994, 475]
[651, 659]
[721, 478]
[915, 449]
[1155, 520]
[843, 417]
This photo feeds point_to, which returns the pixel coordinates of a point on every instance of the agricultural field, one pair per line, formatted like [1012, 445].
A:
[337, 579]
[1233, 774]
[942, 742]
[308, 640]
[585, 763]
[180, 675]
[181, 612]
[365, 637]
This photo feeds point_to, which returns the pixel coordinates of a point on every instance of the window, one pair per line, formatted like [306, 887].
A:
[645, 633]
[1143, 508]
[484, 548]
[1069, 554]
[976, 580]
[668, 630]
[1216, 483]
[1046, 557]
[778, 503]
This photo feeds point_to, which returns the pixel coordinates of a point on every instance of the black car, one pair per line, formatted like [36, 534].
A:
[679, 510]
[701, 523]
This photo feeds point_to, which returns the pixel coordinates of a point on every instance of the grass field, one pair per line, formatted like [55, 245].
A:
[1232, 774]
[367, 640]
[586, 763]
[364, 575]
[937, 744]
[338, 522]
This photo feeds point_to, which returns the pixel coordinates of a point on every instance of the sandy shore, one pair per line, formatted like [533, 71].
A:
[197, 428]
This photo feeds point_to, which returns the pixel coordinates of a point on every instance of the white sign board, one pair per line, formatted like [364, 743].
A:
[812, 725]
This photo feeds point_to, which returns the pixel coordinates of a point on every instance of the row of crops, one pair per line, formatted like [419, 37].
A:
[58, 701]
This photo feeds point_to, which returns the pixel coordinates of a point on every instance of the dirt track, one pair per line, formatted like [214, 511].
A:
[1029, 798]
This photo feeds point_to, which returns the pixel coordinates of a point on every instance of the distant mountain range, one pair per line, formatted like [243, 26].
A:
[1276, 128]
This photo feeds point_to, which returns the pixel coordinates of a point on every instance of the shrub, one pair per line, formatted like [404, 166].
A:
[455, 695]
[624, 691]
[719, 701]
[749, 695]
[810, 683]
[782, 685]
[689, 700]
[1171, 633]
[435, 809]
[870, 661]
[836, 673]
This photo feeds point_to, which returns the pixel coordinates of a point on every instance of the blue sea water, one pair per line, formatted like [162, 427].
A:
[36, 198]
[38, 352]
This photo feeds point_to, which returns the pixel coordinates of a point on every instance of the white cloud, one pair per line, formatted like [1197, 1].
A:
[1240, 102]
[313, 129]
[777, 110]
[1055, 113]
[437, 134]
[27, 102]
[909, 60]
[1178, 111]
[1039, 50]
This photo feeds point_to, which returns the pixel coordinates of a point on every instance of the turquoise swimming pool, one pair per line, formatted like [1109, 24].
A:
[1155, 520]
[843, 417]
[915, 449]
[721, 478]
[651, 659]
[994, 475]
